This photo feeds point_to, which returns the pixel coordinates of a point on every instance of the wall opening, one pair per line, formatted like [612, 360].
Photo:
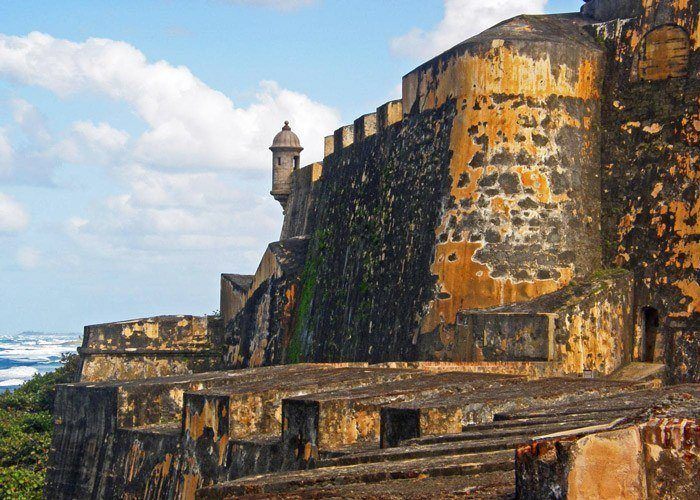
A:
[650, 330]
[296, 162]
[664, 52]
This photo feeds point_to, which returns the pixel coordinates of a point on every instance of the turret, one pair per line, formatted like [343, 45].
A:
[285, 158]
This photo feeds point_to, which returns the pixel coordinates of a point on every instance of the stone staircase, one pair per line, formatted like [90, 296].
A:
[357, 429]
[477, 462]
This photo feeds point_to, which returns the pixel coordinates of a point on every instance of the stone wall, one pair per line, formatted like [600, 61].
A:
[649, 459]
[367, 276]
[261, 333]
[585, 327]
[651, 199]
[151, 347]
[233, 293]
[487, 194]
[524, 213]
[298, 218]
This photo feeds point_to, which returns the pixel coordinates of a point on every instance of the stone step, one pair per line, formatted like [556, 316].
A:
[496, 432]
[489, 485]
[638, 371]
[451, 446]
[634, 398]
[433, 450]
[363, 473]
[573, 417]
[324, 422]
[157, 400]
[255, 407]
[572, 414]
[445, 415]
[221, 424]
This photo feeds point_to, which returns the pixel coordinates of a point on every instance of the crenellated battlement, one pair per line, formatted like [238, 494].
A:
[389, 113]
[365, 126]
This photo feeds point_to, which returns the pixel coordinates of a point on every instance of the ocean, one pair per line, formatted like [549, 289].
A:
[25, 354]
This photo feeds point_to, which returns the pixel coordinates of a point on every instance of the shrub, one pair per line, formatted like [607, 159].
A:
[25, 431]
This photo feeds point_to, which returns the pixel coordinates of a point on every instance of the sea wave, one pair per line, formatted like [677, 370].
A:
[16, 375]
[24, 355]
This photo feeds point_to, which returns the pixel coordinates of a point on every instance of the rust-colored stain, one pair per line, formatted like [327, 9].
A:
[470, 285]
[484, 128]
[664, 53]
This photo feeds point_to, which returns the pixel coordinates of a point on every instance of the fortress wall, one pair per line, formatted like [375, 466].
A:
[389, 113]
[585, 326]
[261, 332]
[234, 288]
[298, 218]
[524, 213]
[150, 347]
[513, 214]
[367, 276]
[343, 137]
[328, 145]
[365, 126]
[651, 198]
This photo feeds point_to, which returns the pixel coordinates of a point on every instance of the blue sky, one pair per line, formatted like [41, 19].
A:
[133, 135]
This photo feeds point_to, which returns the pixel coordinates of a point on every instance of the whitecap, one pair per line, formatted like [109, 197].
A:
[12, 382]
[21, 373]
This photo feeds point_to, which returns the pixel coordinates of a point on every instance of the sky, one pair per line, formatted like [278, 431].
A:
[134, 167]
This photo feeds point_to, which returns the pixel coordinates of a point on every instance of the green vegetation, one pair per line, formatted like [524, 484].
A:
[607, 273]
[308, 287]
[25, 431]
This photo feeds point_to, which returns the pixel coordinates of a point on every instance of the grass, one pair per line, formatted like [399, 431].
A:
[25, 431]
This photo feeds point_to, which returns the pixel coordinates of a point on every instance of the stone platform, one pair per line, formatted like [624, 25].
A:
[320, 430]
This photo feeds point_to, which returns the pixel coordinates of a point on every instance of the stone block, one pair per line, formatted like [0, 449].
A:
[328, 145]
[343, 137]
[365, 126]
[389, 114]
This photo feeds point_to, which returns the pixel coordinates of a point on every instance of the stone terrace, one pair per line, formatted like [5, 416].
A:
[356, 424]
[476, 462]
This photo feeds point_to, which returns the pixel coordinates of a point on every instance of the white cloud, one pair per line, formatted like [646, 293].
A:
[190, 125]
[6, 154]
[186, 183]
[91, 143]
[28, 257]
[13, 216]
[31, 121]
[161, 215]
[463, 19]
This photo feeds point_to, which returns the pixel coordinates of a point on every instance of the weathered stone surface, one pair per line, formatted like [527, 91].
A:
[655, 454]
[150, 347]
[369, 232]
[223, 421]
[651, 198]
[234, 291]
[350, 418]
[587, 327]
[299, 218]
[449, 414]
[261, 333]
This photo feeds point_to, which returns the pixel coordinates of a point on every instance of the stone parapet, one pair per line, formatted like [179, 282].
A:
[151, 347]
[343, 137]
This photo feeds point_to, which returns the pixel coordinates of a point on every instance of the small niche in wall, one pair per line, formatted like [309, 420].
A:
[663, 53]
[650, 329]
